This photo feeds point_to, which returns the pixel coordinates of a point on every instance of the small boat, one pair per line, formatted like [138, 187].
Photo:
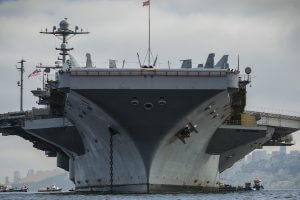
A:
[53, 188]
[9, 188]
[257, 185]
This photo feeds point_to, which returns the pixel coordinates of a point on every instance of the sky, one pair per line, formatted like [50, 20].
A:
[265, 34]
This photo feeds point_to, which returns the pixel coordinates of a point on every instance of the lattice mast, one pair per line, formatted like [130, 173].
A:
[20, 83]
[64, 34]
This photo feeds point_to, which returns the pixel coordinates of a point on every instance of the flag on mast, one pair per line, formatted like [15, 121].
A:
[34, 73]
[146, 3]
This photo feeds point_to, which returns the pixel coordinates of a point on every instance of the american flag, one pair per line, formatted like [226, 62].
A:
[34, 73]
[146, 3]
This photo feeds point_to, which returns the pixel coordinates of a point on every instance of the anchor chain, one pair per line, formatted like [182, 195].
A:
[111, 163]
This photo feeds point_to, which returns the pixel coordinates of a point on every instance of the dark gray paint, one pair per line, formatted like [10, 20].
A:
[226, 139]
[62, 161]
[66, 137]
[148, 128]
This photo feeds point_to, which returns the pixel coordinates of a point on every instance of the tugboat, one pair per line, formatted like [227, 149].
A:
[257, 185]
[53, 188]
[24, 188]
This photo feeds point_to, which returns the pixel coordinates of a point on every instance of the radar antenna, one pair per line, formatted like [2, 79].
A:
[20, 83]
[64, 33]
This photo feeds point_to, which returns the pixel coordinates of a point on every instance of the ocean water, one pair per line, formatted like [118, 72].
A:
[261, 195]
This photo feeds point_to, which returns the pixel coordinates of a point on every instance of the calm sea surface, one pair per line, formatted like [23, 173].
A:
[262, 195]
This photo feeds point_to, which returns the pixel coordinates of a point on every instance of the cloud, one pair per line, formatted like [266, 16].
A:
[246, 8]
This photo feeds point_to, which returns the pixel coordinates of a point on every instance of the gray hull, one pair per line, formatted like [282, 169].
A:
[137, 131]
[165, 133]
[147, 155]
[143, 130]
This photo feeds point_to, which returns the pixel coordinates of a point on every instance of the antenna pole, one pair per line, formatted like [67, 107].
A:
[238, 62]
[149, 39]
[139, 59]
[43, 80]
[20, 84]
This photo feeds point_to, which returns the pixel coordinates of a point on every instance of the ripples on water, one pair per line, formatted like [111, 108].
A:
[262, 195]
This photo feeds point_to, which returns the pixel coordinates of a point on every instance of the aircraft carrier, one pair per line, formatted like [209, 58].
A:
[143, 130]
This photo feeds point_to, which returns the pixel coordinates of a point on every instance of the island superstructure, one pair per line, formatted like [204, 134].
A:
[146, 129]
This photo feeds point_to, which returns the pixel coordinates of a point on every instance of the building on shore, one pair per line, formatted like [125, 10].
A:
[6, 180]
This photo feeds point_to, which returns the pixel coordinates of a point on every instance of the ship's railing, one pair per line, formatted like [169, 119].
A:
[275, 115]
[39, 113]
[25, 115]
[150, 72]
[36, 117]
[12, 119]
[233, 122]
[278, 112]
[12, 115]
[244, 122]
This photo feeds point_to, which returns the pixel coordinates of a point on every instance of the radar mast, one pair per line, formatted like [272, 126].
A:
[20, 83]
[64, 34]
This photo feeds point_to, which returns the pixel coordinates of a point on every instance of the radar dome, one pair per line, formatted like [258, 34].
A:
[248, 70]
[64, 25]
